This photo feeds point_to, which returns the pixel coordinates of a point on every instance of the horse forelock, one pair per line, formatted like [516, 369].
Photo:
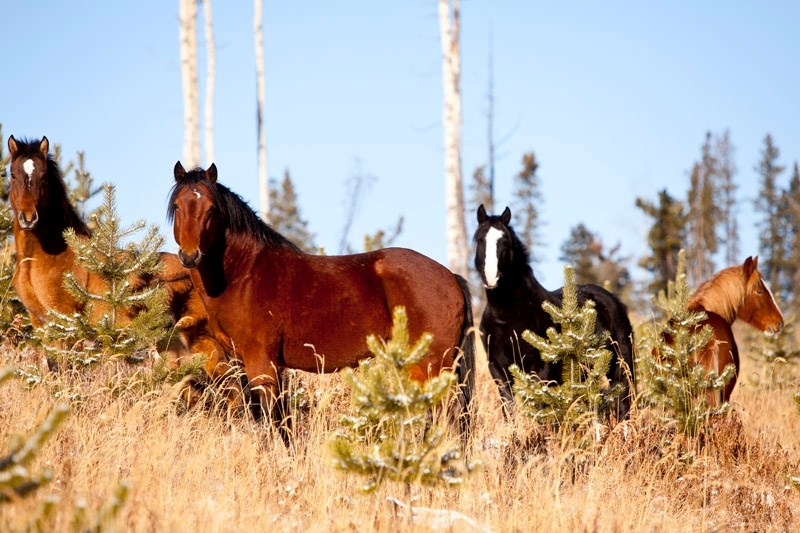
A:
[722, 294]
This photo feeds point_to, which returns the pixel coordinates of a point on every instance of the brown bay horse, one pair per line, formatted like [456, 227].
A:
[42, 212]
[737, 292]
[277, 307]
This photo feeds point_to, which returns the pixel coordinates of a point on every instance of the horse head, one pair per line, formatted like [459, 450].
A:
[494, 246]
[759, 308]
[28, 185]
[195, 213]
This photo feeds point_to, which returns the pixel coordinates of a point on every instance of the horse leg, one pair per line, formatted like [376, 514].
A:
[498, 368]
[265, 386]
[224, 373]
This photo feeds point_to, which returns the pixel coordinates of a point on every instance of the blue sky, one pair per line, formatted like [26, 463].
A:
[614, 99]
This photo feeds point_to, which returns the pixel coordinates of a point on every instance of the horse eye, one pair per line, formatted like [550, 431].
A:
[175, 207]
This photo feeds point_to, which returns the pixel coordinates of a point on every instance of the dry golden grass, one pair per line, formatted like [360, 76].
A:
[198, 471]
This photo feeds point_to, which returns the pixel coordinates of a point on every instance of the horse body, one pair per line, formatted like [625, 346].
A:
[737, 292]
[278, 307]
[514, 304]
[42, 212]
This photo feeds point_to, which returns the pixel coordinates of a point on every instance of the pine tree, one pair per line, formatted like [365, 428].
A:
[127, 315]
[678, 386]
[390, 436]
[726, 170]
[285, 216]
[771, 233]
[580, 252]
[82, 187]
[592, 263]
[584, 394]
[789, 213]
[527, 197]
[703, 215]
[665, 238]
[383, 238]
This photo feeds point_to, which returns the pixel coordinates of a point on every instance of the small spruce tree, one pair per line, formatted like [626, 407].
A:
[390, 436]
[128, 315]
[584, 394]
[677, 385]
[82, 187]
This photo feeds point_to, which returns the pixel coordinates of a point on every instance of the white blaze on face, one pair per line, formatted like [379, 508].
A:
[490, 272]
[773, 298]
[29, 166]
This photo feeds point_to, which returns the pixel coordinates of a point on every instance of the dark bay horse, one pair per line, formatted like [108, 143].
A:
[514, 303]
[42, 212]
[737, 292]
[277, 307]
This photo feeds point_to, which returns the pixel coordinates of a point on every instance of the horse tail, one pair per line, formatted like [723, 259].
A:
[625, 372]
[465, 366]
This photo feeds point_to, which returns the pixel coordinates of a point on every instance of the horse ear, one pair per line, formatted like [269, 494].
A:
[505, 218]
[482, 216]
[44, 147]
[211, 173]
[179, 172]
[750, 266]
[12, 146]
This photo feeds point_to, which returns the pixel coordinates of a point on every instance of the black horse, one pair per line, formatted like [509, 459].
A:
[514, 303]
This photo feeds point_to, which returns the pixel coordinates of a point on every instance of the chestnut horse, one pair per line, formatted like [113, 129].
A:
[737, 292]
[42, 212]
[277, 307]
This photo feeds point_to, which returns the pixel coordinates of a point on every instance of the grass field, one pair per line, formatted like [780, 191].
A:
[200, 471]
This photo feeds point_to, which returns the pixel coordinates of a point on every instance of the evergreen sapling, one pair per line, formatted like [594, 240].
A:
[130, 313]
[391, 435]
[584, 394]
[677, 385]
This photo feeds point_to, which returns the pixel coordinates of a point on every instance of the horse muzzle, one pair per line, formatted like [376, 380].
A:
[190, 260]
[774, 330]
[28, 223]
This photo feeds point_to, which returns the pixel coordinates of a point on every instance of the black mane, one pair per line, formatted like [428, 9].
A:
[236, 213]
[57, 194]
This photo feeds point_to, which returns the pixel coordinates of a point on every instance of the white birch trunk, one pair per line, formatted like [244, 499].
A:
[457, 248]
[211, 73]
[187, 36]
[263, 185]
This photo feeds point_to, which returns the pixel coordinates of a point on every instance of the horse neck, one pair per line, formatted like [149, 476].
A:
[517, 285]
[39, 242]
[722, 295]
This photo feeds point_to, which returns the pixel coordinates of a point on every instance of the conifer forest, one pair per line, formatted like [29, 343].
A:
[268, 360]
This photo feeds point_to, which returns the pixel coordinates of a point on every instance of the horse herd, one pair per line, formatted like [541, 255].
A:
[248, 298]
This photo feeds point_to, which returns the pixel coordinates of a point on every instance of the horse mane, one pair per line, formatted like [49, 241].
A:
[237, 214]
[722, 294]
[58, 195]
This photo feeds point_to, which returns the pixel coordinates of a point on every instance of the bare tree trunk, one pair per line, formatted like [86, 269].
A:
[263, 185]
[187, 35]
[211, 73]
[454, 194]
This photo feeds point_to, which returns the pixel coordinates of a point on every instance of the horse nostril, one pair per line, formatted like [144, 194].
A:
[25, 223]
[189, 261]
